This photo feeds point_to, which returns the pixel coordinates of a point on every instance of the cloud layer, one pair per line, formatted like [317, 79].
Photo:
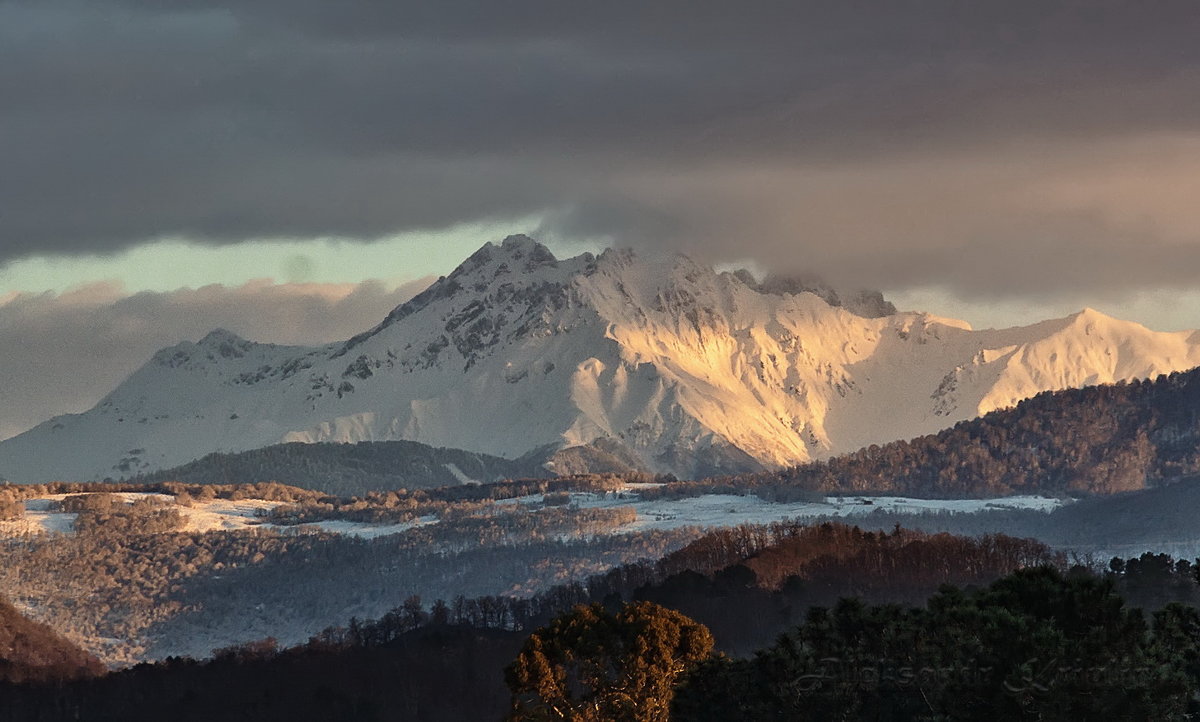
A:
[996, 148]
[63, 352]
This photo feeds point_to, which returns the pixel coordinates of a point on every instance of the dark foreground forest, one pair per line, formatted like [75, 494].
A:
[898, 626]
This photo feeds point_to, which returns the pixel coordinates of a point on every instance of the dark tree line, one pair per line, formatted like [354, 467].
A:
[1037, 644]
[268, 491]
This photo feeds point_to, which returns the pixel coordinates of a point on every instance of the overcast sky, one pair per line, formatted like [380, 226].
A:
[999, 161]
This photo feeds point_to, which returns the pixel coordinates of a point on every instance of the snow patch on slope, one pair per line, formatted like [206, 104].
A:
[202, 516]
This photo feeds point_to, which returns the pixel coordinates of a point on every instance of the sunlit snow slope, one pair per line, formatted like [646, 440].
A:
[670, 363]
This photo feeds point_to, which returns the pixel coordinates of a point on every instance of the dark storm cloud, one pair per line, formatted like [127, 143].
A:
[848, 136]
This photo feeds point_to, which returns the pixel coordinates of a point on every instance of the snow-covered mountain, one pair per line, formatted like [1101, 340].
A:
[667, 364]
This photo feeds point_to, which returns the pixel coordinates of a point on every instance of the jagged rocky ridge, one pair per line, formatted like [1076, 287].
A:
[613, 359]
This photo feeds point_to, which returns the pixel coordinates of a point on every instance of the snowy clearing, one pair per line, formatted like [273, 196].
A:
[708, 510]
[365, 529]
[716, 510]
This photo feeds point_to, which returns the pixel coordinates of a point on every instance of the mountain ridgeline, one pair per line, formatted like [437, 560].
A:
[355, 469]
[610, 360]
[352, 469]
[1096, 440]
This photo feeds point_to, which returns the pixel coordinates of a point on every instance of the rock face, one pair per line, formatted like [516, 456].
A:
[668, 365]
[868, 304]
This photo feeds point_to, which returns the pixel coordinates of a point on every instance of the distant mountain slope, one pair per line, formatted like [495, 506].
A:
[32, 651]
[351, 469]
[1099, 440]
[667, 364]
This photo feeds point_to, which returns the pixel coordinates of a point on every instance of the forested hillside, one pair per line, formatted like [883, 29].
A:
[33, 652]
[1037, 644]
[1094, 440]
[155, 586]
[445, 661]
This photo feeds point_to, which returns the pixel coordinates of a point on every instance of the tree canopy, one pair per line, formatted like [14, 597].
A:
[590, 665]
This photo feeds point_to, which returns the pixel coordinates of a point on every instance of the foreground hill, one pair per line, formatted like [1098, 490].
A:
[749, 585]
[664, 365]
[445, 661]
[32, 651]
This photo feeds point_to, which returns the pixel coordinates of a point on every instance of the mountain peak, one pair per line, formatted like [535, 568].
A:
[517, 252]
[1091, 317]
[519, 243]
[520, 247]
[1087, 312]
[225, 343]
[616, 258]
[219, 336]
